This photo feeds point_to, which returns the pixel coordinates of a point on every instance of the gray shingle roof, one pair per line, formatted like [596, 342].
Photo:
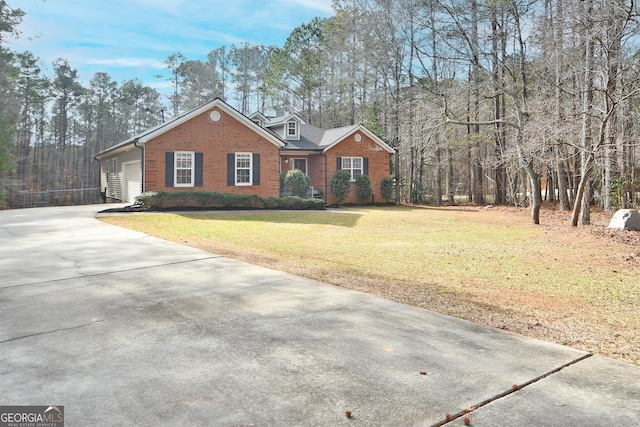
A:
[314, 138]
[310, 137]
[333, 135]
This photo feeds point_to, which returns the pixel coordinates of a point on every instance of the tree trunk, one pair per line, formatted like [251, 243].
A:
[563, 197]
[585, 218]
[497, 75]
[438, 188]
[587, 166]
[450, 183]
[534, 181]
[587, 105]
[477, 170]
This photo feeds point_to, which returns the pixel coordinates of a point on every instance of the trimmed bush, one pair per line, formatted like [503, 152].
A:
[295, 202]
[272, 203]
[363, 188]
[190, 199]
[341, 185]
[387, 189]
[297, 182]
[148, 200]
[290, 202]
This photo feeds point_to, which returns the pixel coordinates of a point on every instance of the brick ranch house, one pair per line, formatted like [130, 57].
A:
[216, 148]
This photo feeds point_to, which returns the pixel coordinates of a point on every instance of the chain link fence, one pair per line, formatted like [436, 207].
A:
[70, 197]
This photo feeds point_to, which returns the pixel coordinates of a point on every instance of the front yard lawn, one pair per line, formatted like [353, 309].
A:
[574, 286]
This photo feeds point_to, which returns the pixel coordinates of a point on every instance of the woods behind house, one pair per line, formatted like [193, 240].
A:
[505, 102]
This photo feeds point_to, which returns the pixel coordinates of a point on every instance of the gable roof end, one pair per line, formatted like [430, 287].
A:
[215, 103]
[333, 137]
[158, 130]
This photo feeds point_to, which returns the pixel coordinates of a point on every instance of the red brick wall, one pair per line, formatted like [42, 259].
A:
[316, 171]
[214, 140]
[378, 164]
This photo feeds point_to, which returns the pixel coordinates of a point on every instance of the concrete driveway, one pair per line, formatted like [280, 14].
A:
[125, 329]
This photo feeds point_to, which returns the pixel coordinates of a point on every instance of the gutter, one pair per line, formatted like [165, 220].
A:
[142, 162]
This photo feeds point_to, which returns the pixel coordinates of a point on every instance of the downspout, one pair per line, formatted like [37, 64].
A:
[142, 162]
[326, 179]
[280, 185]
[280, 180]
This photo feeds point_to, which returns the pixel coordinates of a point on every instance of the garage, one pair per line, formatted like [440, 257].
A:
[131, 182]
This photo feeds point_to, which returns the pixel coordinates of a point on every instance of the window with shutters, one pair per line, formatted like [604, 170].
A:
[244, 168]
[353, 165]
[184, 168]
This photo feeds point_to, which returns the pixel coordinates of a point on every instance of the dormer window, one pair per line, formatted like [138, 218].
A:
[292, 129]
[287, 127]
[258, 122]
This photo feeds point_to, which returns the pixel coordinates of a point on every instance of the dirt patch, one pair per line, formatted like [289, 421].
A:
[609, 329]
[553, 219]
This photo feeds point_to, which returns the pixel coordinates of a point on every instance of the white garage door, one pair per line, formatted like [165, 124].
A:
[131, 182]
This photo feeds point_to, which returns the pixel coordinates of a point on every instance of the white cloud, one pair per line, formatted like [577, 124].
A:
[131, 38]
[126, 62]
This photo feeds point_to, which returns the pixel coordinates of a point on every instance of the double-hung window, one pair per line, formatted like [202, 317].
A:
[244, 169]
[184, 165]
[353, 165]
[292, 129]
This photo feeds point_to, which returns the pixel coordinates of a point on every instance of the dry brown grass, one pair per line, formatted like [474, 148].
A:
[574, 286]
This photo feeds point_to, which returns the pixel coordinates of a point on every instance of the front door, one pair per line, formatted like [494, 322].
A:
[300, 164]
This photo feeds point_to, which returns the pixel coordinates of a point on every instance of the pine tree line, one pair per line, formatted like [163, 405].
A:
[511, 102]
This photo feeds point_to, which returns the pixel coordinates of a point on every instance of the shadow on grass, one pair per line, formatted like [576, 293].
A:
[418, 208]
[339, 219]
[454, 208]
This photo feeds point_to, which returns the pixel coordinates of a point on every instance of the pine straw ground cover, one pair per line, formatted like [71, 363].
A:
[574, 286]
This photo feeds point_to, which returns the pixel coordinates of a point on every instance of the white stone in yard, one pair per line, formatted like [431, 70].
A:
[626, 219]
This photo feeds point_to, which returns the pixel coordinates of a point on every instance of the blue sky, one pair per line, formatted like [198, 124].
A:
[130, 38]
